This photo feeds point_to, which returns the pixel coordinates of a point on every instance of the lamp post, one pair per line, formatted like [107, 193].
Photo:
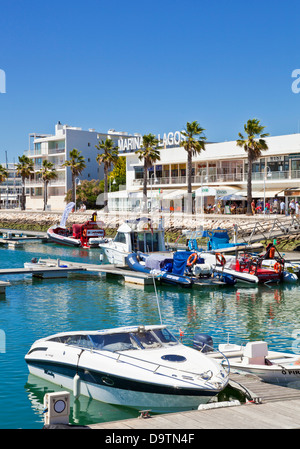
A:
[267, 173]
[151, 183]
[206, 178]
[114, 183]
[77, 183]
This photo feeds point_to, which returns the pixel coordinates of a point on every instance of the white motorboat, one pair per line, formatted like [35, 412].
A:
[140, 235]
[143, 367]
[39, 268]
[225, 264]
[270, 366]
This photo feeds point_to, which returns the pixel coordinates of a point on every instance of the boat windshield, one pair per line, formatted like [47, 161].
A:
[121, 341]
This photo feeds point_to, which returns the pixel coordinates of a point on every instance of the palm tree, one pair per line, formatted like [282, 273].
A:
[253, 144]
[193, 144]
[150, 154]
[3, 174]
[25, 170]
[107, 157]
[47, 173]
[77, 165]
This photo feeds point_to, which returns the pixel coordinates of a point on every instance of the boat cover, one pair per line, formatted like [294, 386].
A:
[156, 261]
[179, 261]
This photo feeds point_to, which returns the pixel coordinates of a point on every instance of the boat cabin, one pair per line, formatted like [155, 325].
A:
[141, 236]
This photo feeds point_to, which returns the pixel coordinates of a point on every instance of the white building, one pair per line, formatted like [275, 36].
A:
[219, 170]
[11, 188]
[56, 148]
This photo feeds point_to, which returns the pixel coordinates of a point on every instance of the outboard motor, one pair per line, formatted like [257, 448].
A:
[203, 342]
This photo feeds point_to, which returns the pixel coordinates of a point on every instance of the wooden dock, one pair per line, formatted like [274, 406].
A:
[270, 407]
[53, 268]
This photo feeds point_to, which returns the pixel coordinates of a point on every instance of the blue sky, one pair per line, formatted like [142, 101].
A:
[147, 66]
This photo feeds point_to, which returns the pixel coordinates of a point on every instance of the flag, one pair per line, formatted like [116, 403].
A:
[65, 215]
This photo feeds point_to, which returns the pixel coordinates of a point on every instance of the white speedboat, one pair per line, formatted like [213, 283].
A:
[140, 235]
[225, 264]
[270, 366]
[39, 268]
[144, 367]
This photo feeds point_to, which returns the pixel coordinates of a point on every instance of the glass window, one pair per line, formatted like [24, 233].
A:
[165, 336]
[147, 339]
[120, 237]
[114, 342]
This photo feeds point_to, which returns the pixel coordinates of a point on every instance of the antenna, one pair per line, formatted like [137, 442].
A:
[157, 298]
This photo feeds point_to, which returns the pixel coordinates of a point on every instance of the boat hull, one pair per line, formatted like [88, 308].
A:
[284, 376]
[119, 391]
[63, 240]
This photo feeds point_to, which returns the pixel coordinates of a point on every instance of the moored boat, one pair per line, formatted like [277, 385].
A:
[270, 366]
[140, 235]
[78, 234]
[143, 367]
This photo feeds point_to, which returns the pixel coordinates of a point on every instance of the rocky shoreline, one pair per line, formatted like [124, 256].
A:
[174, 224]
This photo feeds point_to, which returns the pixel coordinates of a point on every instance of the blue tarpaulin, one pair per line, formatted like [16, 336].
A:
[179, 261]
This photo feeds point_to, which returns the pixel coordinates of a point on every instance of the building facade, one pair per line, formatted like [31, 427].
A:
[11, 188]
[56, 148]
[218, 171]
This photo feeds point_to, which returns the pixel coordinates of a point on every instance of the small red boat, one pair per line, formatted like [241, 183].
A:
[252, 264]
[77, 235]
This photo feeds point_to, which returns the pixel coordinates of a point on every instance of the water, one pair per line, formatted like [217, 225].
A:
[34, 308]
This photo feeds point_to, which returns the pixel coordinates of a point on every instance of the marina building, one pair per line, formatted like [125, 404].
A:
[56, 148]
[218, 171]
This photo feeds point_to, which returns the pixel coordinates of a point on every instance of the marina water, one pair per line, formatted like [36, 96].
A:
[34, 308]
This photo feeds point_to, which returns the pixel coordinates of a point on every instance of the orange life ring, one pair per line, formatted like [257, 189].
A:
[221, 259]
[192, 259]
[278, 267]
[84, 233]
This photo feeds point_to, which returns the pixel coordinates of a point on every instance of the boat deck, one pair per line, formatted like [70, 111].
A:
[270, 407]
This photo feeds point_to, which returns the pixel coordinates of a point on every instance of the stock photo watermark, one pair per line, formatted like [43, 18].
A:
[2, 82]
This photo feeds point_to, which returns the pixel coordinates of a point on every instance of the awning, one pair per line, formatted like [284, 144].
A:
[217, 191]
[206, 191]
[174, 195]
[271, 193]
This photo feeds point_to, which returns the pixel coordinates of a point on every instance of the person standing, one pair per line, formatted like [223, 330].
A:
[282, 207]
[253, 207]
[292, 207]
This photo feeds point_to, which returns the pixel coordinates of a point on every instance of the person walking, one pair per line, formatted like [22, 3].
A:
[292, 207]
[297, 209]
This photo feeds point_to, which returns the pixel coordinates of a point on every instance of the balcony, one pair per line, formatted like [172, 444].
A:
[223, 178]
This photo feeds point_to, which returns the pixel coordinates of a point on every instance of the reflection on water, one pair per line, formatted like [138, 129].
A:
[34, 308]
[83, 411]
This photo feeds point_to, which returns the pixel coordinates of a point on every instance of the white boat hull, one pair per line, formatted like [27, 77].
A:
[135, 399]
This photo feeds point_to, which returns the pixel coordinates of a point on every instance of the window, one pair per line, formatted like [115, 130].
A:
[120, 237]
[165, 336]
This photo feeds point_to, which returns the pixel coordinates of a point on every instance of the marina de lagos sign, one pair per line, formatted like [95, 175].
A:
[170, 139]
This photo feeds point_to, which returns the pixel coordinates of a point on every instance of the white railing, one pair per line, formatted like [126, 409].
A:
[223, 177]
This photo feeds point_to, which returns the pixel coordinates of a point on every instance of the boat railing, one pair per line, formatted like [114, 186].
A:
[155, 367]
[213, 353]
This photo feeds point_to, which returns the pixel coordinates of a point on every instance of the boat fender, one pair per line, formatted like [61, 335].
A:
[220, 259]
[192, 259]
[76, 386]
